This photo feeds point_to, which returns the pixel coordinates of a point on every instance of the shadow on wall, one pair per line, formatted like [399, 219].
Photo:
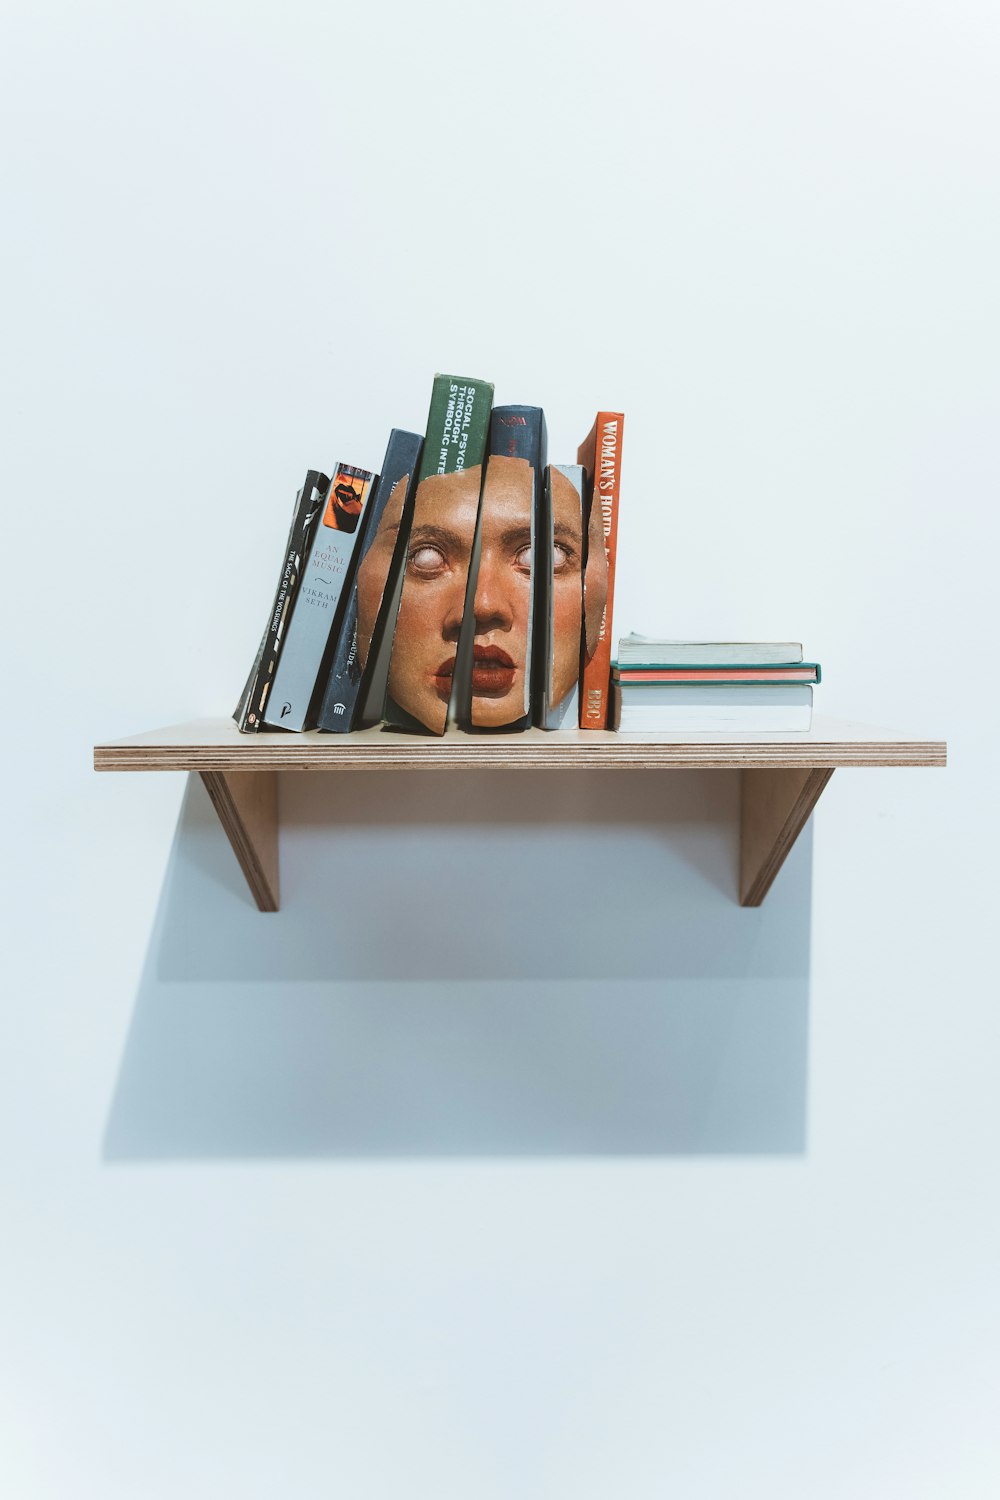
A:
[481, 963]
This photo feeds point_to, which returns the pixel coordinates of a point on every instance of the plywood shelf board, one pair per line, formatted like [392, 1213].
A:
[783, 774]
[217, 745]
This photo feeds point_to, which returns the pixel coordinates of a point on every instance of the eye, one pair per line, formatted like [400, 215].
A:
[426, 561]
[522, 558]
[563, 558]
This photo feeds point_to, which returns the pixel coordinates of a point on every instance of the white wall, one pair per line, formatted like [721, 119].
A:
[412, 1190]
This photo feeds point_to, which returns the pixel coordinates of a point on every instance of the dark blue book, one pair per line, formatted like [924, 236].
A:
[496, 653]
[365, 624]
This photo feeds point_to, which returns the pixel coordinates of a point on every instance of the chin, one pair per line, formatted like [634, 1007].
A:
[494, 713]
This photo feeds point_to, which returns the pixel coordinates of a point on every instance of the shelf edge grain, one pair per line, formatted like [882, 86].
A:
[216, 746]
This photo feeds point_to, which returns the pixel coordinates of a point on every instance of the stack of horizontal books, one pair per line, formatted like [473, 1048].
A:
[734, 686]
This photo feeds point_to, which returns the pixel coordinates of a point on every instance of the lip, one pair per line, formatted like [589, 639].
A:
[442, 677]
[493, 672]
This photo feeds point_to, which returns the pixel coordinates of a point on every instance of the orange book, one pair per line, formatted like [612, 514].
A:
[601, 456]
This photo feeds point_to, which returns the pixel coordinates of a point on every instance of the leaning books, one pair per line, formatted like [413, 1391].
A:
[439, 555]
[366, 615]
[317, 608]
[249, 712]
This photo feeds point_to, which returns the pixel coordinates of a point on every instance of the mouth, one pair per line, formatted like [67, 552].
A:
[441, 679]
[493, 672]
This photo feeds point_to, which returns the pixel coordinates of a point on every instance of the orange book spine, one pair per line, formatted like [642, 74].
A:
[601, 456]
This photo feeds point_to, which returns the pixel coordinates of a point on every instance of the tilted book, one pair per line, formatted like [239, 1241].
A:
[249, 712]
[386, 532]
[493, 671]
[601, 456]
[439, 554]
[325, 579]
[559, 565]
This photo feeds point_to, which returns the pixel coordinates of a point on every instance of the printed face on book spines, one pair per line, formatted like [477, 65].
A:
[567, 586]
[373, 570]
[595, 580]
[503, 597]
[433, 600]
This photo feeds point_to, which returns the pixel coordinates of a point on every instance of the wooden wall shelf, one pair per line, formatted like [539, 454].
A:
[782, 774]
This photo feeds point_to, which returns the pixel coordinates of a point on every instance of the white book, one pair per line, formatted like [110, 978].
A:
[743, 708]
[648, 651]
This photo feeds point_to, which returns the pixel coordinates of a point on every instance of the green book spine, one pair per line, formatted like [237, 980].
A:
[458, 425]
[439, 554]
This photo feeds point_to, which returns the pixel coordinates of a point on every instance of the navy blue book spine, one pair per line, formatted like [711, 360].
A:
[516, 432]
[354, 657]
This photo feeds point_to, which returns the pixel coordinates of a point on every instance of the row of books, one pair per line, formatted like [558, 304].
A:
[471, 582]
[699, 686]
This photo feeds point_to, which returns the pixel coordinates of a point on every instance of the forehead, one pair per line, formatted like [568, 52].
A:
[449, 499]
[507, 496]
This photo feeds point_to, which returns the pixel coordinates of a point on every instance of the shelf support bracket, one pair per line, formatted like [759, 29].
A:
[247, 805]
[774, 808]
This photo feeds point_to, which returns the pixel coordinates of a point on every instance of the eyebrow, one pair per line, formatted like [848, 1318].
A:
[561, 532]
[442, 535]
[515, 536]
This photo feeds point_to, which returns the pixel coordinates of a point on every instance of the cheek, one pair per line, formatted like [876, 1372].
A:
[419, 619]
[567, 623]
[567, 612]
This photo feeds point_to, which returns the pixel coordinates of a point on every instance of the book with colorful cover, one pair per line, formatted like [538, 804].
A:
[559, 563]
[494, 657]
[806, 671]
[249, 712]
[318, 607]
[439, 554]
[600, 455]
[365, 617]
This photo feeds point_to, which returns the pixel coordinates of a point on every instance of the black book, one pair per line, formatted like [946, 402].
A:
[249, 711]
[366, 628]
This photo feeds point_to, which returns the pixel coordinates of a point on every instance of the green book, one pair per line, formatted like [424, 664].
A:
[439, 555]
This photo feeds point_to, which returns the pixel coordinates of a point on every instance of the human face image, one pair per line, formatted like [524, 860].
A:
[567, 585]
[373, 570]
[595, 580]
[436, 573]
[503, 598]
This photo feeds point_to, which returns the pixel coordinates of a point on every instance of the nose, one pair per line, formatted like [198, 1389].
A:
[492, 605]
[454, 610]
